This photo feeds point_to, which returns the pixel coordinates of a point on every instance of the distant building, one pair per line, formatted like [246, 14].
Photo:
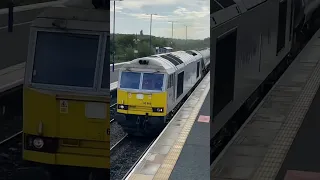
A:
[160, 50]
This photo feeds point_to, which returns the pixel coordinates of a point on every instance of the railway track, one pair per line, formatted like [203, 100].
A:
[126, 153]
[10, 156]
[113, 110]
[137, 161]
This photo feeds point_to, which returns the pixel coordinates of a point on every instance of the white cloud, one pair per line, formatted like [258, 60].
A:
[134, 15]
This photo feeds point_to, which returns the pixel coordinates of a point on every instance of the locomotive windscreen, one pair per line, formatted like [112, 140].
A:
[130, 80]
[152, 81]
[65, 59]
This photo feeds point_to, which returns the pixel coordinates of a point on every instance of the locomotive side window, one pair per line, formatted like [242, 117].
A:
[282, 24]
[56, 62]
[198, 69]
[180, 84]
[106, 67]
[224, 71]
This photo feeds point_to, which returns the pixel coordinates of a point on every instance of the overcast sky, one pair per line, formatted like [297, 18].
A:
[132, 16]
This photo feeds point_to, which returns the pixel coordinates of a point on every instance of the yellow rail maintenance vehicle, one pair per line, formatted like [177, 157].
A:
[66, 94]
[151, 89]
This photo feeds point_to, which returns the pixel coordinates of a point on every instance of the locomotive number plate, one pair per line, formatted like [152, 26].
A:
[139, 96]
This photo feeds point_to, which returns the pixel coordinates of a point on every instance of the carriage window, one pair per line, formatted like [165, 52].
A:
[106, 67]
[152, 81]
[130, 80]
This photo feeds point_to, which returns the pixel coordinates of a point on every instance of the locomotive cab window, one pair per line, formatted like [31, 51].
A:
[180, 84]
[65, 59]
[130, 80]
[152, 81]
[143, 81]
[198, 69]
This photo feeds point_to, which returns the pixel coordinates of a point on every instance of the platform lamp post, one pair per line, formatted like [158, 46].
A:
[114, 32]
[186, 33]
[150, 30]
[172, 30]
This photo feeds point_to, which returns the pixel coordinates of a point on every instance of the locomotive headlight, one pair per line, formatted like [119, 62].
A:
[157, 110]
[121, 106]
[38, 143]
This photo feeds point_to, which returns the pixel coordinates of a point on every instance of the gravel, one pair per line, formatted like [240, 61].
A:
[11, 157]
[10, 127]
[116, 133]
[124, 155]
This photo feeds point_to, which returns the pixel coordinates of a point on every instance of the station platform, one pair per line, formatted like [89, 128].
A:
[279, 139]
[182, 150]
[13, 76]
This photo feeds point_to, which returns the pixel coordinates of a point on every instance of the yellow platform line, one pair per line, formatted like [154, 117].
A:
[170, 160]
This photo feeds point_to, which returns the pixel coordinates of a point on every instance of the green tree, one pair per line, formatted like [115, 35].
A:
[129, 54]
[126, 40]
[144, 49]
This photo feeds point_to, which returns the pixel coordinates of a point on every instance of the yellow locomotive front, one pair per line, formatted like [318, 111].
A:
[66, 117]
[141, 98]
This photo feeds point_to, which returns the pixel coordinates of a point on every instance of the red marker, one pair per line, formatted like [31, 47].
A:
[205, 119]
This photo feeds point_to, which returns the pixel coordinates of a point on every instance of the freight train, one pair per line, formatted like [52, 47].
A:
[249, 38]
[66, 95]
[151, 89]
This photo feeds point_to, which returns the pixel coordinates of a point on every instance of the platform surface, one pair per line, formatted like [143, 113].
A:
[304, 153]
[194, 159]
[181, 151]
[258, 151]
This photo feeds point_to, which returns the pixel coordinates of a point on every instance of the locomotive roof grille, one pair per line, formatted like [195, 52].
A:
[191, 53]
[175, 58]
[173, 61]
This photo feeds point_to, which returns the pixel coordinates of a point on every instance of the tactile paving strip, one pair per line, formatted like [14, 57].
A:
[272, 162]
